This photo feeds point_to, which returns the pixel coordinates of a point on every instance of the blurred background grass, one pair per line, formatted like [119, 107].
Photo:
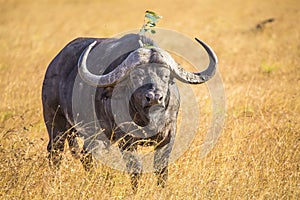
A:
[257, 155]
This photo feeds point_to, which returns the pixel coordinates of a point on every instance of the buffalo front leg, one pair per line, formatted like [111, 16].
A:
[134, 168]
[161, 160]
[133, 164]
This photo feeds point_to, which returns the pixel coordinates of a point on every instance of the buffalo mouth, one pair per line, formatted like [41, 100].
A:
[156, 116]
[148, 116]
[153, 109]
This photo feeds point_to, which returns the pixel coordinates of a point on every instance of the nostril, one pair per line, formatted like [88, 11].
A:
[160, 99]
[148, 99]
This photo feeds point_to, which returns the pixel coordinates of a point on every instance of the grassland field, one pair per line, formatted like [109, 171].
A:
[257, 155]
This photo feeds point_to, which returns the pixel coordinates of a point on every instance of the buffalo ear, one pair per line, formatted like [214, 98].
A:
[172, 80]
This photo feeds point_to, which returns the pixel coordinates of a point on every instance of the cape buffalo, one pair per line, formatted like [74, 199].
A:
[110, 82]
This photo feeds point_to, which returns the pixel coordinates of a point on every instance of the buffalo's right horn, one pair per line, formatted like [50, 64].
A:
[136, 58]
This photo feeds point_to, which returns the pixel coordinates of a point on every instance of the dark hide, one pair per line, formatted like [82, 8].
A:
[149, 94]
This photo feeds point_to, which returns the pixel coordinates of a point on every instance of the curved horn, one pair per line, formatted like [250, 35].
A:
[134, 59]
[199, 77]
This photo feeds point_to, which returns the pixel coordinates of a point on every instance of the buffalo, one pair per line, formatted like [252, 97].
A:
[125, 87]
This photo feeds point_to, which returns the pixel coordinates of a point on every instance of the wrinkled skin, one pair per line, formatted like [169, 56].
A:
[150, 92]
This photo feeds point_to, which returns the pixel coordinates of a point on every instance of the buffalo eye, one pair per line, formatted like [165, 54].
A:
[165, 77]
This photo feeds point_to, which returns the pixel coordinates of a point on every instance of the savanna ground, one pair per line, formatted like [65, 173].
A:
[257, 155]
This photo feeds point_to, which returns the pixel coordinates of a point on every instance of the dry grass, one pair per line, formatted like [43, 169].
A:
[257, 155]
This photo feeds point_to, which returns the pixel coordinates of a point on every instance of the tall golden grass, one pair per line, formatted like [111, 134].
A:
[257, 155]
